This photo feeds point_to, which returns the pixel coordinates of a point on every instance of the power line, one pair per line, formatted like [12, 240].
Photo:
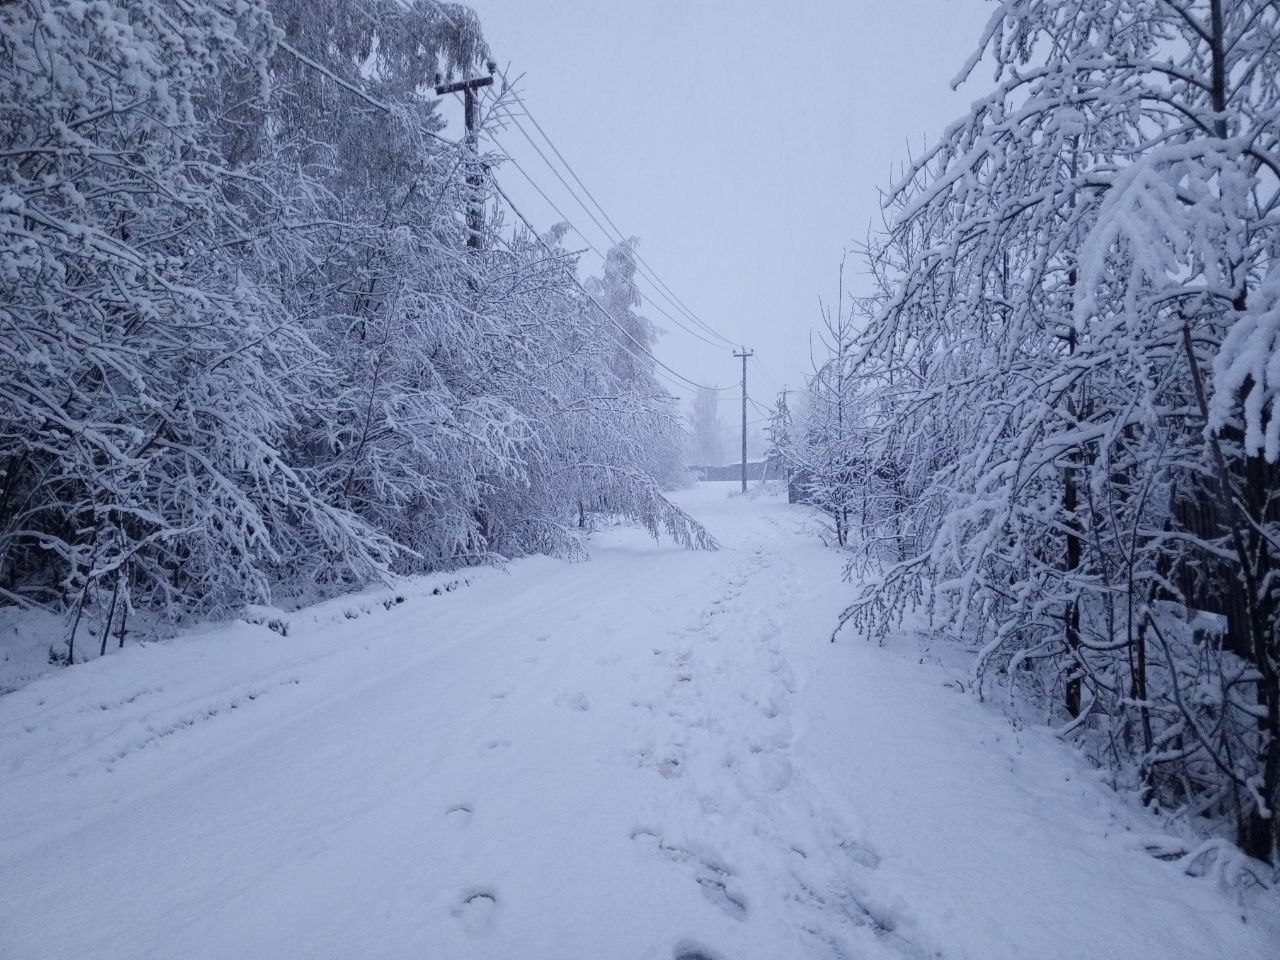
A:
[388, 109]
[750, 423]
[675, 300]
[660, 374]
[563, 216]
[586, 293]
[669, 293]
[643, 266]
[765, 373]
[653, 273]
[493, 180]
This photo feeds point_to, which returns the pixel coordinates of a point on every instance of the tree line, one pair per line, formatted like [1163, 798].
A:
[1053, 425]
[246, 352]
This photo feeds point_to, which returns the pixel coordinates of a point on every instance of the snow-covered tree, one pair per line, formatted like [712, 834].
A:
[245, 348]
[148, 385]
[1072, 353]
[780, 431]
[708, 431]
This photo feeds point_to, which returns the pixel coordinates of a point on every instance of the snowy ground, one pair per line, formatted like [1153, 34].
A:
[653, 755]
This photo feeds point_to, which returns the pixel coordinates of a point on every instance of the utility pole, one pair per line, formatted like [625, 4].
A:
[475, 179]
[744, 354]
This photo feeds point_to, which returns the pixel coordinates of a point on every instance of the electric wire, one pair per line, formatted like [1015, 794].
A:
[388, 109]
[760, 367]
[586, 293]
[657, 279]
[672, 298]
[564, 217]
[643, 266]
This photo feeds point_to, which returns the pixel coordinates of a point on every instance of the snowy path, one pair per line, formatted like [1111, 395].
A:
[653, 755]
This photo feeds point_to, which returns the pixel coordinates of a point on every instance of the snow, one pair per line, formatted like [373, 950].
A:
[653, 754]
[26, 637]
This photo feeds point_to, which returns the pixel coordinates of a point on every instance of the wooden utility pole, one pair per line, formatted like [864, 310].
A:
[744, 354]
[475, 179]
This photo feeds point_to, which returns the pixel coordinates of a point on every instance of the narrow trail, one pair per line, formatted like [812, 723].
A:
[653, 755]
[725, 732]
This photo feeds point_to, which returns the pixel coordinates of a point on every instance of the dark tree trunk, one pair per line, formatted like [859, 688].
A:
[1071, 616]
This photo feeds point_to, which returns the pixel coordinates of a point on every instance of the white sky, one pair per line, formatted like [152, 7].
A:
[743, 142]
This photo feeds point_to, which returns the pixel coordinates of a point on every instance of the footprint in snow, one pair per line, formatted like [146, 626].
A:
[714, 879]
[768, 709]
[688, 950]
[573, 701]
[494, 747]
[476, 910]
[669, 767]
[730, 901]
[859, 853]
[459, 814]
[775, 772]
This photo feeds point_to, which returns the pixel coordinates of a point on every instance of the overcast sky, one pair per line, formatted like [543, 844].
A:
[742, 141]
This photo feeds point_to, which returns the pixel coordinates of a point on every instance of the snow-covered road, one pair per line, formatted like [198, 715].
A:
[653, 755]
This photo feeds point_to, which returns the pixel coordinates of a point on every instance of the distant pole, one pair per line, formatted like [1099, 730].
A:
[744, 354]
[475, 179]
